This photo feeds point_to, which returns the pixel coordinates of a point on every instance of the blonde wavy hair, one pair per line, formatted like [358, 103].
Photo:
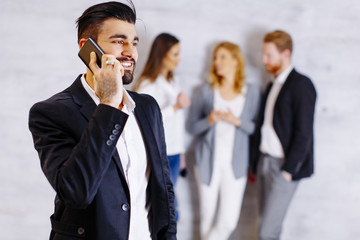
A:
[216, 80]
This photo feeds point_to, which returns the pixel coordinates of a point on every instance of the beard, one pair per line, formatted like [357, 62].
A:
[274, 68]
[128, 74]
[128, 77]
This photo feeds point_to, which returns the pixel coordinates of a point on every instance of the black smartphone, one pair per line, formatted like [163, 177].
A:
[90, 46]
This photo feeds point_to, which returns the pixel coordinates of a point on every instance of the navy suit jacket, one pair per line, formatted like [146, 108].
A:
[76, 142]
[293, 123]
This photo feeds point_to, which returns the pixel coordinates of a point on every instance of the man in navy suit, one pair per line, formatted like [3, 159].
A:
[285, 134]
[101, 147]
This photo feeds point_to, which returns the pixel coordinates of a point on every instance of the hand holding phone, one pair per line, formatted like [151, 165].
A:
[107, 79]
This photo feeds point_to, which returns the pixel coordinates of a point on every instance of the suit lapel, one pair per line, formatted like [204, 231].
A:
[82, 98]
[87, 108]
[266, 95]
[286, 85]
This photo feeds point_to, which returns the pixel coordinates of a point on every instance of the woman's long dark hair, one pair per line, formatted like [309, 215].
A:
[160, 47]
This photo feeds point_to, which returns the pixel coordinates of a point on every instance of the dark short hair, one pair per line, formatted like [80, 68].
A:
[281, 39]
[88, 24]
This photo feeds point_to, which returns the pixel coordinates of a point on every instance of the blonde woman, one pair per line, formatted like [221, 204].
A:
[222, 117]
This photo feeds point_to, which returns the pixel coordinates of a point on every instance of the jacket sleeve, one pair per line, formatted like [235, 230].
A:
[197, 121]
[75, 167]
[248, 122]
[303, 120]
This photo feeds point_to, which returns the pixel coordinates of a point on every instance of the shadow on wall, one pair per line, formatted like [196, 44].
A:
[209, 49]
[204, 73]
[253, 51]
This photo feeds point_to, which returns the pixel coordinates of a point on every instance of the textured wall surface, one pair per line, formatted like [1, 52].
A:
[39, 58]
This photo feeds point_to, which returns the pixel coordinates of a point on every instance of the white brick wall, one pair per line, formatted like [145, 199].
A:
[39, 58]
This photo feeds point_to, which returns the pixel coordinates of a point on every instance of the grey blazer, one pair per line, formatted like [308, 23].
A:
[198, 125]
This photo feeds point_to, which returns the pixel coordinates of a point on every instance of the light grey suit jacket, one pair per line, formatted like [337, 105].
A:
[198, 125]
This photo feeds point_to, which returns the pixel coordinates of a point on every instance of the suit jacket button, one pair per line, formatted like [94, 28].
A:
[112, 137]
[80, 230]
[115, 132]
[109, 142]
[125, 207]
[117, 126]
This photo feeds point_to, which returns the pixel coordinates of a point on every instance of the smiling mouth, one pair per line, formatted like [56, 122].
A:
[127, 64]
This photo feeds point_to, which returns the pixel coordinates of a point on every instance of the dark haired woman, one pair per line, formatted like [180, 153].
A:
[157, 80]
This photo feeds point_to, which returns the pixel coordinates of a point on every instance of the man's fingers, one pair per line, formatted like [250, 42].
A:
[107, 61]
[92, 64]
[119, 68]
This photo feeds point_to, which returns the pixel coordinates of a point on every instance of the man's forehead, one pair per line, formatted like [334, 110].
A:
[270, 46]
[115, 28]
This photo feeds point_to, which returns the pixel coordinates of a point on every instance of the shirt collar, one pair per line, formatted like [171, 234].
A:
[128, 101]
[284, 75]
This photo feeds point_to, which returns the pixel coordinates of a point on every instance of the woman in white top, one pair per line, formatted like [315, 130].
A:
[222, 117]
[157, 80]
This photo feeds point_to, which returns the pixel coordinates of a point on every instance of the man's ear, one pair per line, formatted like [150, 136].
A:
[287, 53]
[82, 42]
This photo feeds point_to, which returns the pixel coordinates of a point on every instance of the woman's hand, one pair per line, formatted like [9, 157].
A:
[228, 116]
[182, 101]
[182, 162]
[214, 117]
[287, 176]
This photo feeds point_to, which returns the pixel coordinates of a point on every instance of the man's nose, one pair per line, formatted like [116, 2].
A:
[128, 52]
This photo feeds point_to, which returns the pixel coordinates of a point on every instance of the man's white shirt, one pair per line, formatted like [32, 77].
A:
[270, 142]
[131, 149]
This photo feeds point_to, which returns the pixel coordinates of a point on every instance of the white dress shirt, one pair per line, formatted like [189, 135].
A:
[131, 149]
[165, 94]
[270, 142]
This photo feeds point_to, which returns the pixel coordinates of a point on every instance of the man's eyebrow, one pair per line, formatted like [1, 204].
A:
[136, 38]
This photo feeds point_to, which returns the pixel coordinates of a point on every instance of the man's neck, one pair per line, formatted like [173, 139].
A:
[282, 69]
[165, 73]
